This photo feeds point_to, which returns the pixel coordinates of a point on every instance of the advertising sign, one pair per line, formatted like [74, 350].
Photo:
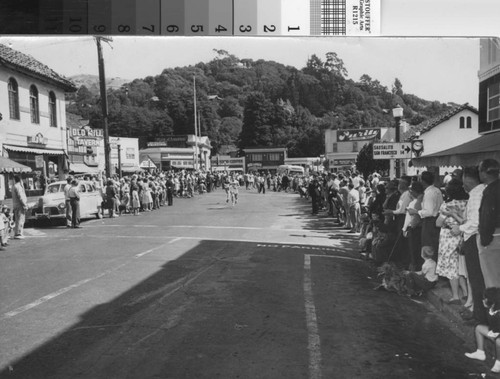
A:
[392, 150]
[346, 135]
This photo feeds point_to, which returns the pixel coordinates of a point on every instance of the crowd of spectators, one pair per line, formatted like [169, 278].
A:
[428, 230]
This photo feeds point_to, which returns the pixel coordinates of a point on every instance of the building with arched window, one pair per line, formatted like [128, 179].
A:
[33, 128]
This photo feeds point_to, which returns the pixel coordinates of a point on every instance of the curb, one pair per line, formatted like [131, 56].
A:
[437, 298]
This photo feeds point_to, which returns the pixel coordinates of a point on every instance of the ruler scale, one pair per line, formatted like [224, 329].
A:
[194, 17]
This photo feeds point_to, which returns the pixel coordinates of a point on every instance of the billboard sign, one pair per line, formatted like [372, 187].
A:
[367, 134]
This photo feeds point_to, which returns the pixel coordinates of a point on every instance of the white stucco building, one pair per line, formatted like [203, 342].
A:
[453, 128]
[33, 125]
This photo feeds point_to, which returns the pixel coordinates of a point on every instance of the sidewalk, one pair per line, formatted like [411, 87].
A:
[438, 297]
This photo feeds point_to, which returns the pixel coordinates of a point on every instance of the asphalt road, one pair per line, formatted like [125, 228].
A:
[205, 290]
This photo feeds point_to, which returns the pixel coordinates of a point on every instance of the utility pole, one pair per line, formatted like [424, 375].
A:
[195, 163]
[104, 104]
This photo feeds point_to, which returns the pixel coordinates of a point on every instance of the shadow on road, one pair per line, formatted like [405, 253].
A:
[138, 325]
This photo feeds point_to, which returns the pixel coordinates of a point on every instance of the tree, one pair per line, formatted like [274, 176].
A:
[366, 164]
[397, 88]
[257, 115]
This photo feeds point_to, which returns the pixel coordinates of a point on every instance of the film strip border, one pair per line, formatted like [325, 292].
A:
[181, 17]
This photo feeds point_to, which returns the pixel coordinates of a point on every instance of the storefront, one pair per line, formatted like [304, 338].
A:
[45, 164]
[9, 168]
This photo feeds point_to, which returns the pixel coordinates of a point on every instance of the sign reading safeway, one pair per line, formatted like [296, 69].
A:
[392, 150]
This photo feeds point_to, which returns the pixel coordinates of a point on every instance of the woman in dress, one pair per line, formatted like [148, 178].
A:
[451, 213]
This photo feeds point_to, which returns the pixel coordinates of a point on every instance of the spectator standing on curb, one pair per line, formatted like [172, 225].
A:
[170, 190]
[74, 198]
[452, 213]
[67, 203]
[412, 228]
[488, 239]
[110, 198]
[19, 205]
[430, 208]
[469, 228]
[353, 208]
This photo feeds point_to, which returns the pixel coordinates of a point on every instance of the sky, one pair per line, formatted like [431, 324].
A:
[443, 69]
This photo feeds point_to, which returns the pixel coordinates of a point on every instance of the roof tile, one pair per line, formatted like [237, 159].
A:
[28, 64]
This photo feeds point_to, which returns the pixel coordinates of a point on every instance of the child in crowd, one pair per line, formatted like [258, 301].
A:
[426, 278]
[5, 226]
[491, 301]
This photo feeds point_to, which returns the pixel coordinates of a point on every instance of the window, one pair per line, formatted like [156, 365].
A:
[13, 99]
[354, 147]
[494, 102]
[34, 108]
[257, 157]
[469, 122]
[52, 109]
[274, 157]
[462, 122]
[335, 147]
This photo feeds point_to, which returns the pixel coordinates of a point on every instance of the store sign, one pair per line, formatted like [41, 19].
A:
[86, 136]
[228, 161]
[38, 140]
[39, 161]
[396, 150]
[357, 134]
[157, 144]
[343, 162]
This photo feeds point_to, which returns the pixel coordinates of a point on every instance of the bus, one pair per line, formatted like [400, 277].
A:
[291, 170]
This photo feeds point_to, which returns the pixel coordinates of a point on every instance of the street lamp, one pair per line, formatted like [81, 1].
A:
[119, 146]
[397, 113]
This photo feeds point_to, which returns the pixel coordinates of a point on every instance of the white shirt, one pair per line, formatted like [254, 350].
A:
[470, 227]
[403, 203]
[431, 203]
[429, 270]
[355, 181]
[353, 197]
[66, 191]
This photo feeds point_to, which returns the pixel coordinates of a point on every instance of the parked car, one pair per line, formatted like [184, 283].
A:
[52, 204]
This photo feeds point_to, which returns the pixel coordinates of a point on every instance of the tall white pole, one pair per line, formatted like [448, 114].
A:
[195, 128]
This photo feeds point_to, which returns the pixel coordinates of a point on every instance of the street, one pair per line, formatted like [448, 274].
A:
[205, 290]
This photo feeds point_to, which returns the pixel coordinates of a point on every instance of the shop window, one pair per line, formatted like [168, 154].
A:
[34, 105]
[13, 99]
[52, 109]
[462, 122]
[469, 122]
[494, 102]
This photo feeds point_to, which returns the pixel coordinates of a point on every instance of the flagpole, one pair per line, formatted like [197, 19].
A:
[195, 154]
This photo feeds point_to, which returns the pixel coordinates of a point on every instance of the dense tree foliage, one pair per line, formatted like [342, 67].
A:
[251, 103]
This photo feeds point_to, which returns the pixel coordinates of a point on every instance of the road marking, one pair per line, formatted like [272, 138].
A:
[61, 291]
[57, 293]
[201, 227]
[314, 342]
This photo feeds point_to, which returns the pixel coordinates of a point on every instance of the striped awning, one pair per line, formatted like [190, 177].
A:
[34, 150]
[9, 166]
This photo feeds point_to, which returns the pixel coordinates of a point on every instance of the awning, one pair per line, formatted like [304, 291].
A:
[131, 168]
[8, 165]
[82, 168]
[32, 150]
[467, 154]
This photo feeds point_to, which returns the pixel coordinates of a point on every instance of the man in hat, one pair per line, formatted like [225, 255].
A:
[19, 205]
